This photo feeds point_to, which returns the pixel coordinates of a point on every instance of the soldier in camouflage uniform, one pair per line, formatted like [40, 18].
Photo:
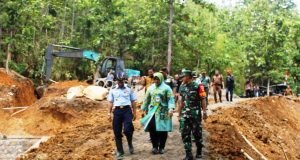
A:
[192, 99]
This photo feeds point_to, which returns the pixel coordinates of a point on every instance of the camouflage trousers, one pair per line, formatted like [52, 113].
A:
[191, 126]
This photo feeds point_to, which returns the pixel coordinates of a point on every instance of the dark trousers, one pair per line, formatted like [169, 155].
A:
[207, 92]
[249, 93]
[122, 117]
[229, 91]
[158, 138]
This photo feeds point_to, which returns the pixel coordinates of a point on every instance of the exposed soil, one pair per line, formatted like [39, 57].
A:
[79, 128]
[271, 124]
[88, 141]
[15, 90]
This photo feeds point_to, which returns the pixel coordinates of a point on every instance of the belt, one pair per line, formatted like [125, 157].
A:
[122, 107]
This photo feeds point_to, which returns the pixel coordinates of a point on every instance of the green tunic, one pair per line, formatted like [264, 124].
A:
[158, 101]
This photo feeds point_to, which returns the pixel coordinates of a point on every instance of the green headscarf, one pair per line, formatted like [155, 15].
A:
[160, 76]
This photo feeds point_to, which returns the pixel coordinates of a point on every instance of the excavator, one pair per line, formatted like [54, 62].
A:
[109, 63]
[103, 68]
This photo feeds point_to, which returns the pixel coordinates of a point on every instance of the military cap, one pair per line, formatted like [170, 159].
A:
[186, 72]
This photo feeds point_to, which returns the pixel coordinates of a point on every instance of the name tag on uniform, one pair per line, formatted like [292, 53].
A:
[126, 93]
[157, 99]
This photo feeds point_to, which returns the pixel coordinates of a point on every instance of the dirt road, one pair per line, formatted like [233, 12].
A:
[174, 148]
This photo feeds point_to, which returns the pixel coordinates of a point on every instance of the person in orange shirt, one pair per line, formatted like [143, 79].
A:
[148, 80]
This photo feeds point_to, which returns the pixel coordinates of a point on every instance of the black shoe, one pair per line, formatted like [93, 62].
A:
[189, 156]
[131, 149]
[161, 151]
[198, 156]
[199, 153]
[119, 155]
[155, 151]
[130, 145]
[120, 151]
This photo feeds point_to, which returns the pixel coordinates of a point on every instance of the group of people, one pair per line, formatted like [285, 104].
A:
[161, 94]
[217, 85]
[251, 89]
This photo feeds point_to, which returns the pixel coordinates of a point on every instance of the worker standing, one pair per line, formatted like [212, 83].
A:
[229, 85]
[122, 106]
[192, 99]
[205, 80]
[159, 104]
[148, 80]
[217, 83]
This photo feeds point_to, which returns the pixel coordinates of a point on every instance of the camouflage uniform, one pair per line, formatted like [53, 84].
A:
[190, 117]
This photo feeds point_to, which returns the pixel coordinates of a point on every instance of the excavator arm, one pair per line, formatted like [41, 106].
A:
[72, 53]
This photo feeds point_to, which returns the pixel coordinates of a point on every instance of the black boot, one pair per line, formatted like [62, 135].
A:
[189, 156]
[199, 153]
[120, 151]
[130, 146]
[199, 150]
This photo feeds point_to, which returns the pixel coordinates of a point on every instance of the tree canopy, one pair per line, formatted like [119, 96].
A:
[257, 39]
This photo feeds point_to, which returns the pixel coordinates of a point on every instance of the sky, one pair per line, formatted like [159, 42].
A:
[230, 3]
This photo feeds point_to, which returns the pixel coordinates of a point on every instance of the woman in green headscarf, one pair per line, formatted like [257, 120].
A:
[159, 104]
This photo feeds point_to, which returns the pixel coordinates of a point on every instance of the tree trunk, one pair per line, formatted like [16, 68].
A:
[0, 37]
[268, 87]
[8, 58]
[198, 60]
[169, 57]
[73, 19]
[62, 29]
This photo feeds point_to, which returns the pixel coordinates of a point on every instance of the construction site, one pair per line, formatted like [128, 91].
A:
[55, 127]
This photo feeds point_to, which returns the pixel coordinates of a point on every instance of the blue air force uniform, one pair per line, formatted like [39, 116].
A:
[122, 114]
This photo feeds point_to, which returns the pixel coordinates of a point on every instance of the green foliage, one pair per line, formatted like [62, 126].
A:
[20, 68]
[257, 39]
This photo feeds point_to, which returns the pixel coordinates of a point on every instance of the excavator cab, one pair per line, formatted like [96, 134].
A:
[111, 63]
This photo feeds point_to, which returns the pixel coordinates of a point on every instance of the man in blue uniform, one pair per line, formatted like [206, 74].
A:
[122, 106]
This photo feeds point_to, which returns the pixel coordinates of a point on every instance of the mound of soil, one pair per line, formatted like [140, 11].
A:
[79, 128]
[50, 114]
[81, 142]
[15, 90]
[271, 124]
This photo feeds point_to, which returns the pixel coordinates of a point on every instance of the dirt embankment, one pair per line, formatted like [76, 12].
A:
[82, 131]
[15, 90]
[79, 128]
[271, 124]
[49, 114]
